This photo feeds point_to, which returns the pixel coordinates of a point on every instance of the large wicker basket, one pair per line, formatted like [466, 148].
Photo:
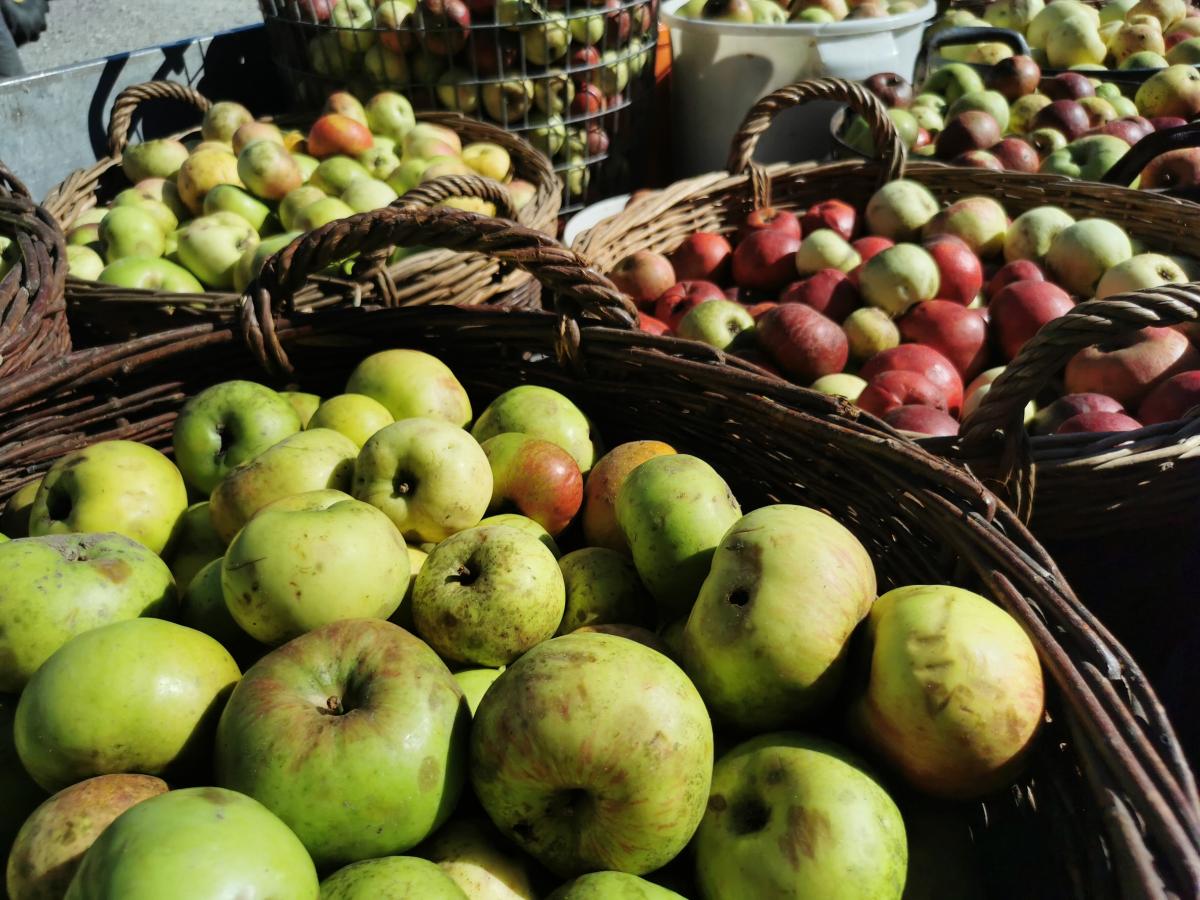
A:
[1108, 808]
[103, 312]
[33, 320]
[1077, 487]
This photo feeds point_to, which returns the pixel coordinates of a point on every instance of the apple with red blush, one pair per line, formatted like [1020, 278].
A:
[770, 218]
[1178, 168]
[1130, 129]
[970, 130]
[869, 246]
[1068, 117]
[959, 269]
[978, 159]
[894, 90]
[680, 299]
[1016, 154]
[958, 333]
[1021, 308]
[1166, 123]
[1014, 77]
[1017, 270]
[1128, 367]
[829, 291]
[644, 276]
[589, 100]
[1172, 399]
[923, 420]
[1068, 86]
[1047, 420]
[704, 255]
[923, 360]
[535, 478]
[651, 325]
[1098, 423]
[802, 342]
[835, 215]
[765, 260]
[895, 388]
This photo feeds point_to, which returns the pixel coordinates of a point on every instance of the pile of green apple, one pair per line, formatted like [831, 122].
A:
[1070, 34]
[363, 655]
[205, 215]
[812, 12]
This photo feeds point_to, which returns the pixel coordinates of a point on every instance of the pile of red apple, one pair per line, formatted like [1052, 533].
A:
[910, 309]
[417, 652]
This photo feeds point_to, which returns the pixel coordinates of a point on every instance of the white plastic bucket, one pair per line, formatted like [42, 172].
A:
[719, 69]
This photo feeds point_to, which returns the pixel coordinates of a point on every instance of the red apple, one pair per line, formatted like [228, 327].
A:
[1016, 154]
[1130, 129]
[536, 478]
[828, 291]
[1098, 422]
[1173, 169]
[1021, 308]
[758, 310]
[922, 420]
[589, 100]
[644, 275]
[923, 360]
[317, 10]
[1127, 368]
[895, 388]
[978, 159]
[960, 270]
[703, 255]
[1014, 77]
[680, 299]
[1068, 86]
[617, 22]
[1017, 270]
[597, 140]
[334, 133]
[765, 260]
[1172, 399]
[1048, 419]
[970, 130]
[1067, 116]
[585, 57]
[832, 214]
[802, 342]
[956, 332]
[445, 25]
[869, 246]
[648, 323]
[894, 90]
[769, 218]
[1166, 123]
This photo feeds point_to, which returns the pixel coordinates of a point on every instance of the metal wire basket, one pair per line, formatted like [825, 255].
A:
[573, 78]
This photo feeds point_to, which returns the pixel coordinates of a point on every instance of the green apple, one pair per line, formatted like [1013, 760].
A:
[899, 277]
[84, 262]
[131, 696]
[304, 404]
[1167, 12]
[120, 486]
[813, 15]
[993, 103]
[128, 231]
[396, 877]
[1081, 253]
[1144, 60]
[211, 246]
[954, 695]
[602, 588]
[14, 521]
[380, 161]
[195, 844]
[613, 76]
[843, 384]
[230, 199]
[354, 734]
[980, 222]
[162, 191]
[1014, 14]
[952, 81]
[488, 594]
[226, 425]
[768, 12]
[382, 66]
[715, 323]
[1022, 111]
[408, 174]
[430, 478]
[53, 840]
[475, 683]
[223, 119]
[61, 585]
[1087, 158]
[355, 415]
[1075, 41]
[543, 413]
[312, 460]
[488, 159]
[1053, 15]
[613, 885]
[824, 248]
[1173, 91]
[427, 140]
[412, 384]
[389, 114]
[1145, 270]
[167, 220]
[758, 837]
[766, 640]
[1186, 51]
[869, 330]
[900, 209]
[367, 194]
[150, 274]
[79, 236]
[337, 173]
[1123, 106]
[1031, 233]
[269, 170]
[322, 212]
[574, 791]
[1130, 38]
[21, 795]
[674, 510]
[194, 545]
[310, 559]
[296, 202]
[525, 524]
[254, 258]
[203, 608]
[1115, 10]
[153, 159]
[473, 854]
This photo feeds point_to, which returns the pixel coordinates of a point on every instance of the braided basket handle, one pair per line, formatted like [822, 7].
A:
[448, 187]
[859, 99]
[127, 102]
[11, 185]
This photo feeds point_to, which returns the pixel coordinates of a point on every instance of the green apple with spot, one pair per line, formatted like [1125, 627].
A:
[544, 413]
[952, 81]
[322, 212]
[355, 415]
[166, 218]
[291, 206]
[337, 173]
[153, 159]
[223, 119]
[899, 277]
[390, 114]
[84, 262]
[354, 734]
[150, 274]
[1173, 91]
[395, 877]
[194, 544]
[1031, 233]
[824, 248]
[211, 246]
[303, 403]
[993, 103]
[202, 607]
[228, 424]
[254, 258]
[487, 595]
[367, 194]
[1082, 252]
[408, 174]
[268, 170]
[613, 885]
[475, 856]
[1087, 158]
[525, 524]
[602, 588]
[412, 384]
[193, 844]
[381, 160]
[1145, 270]
[899, 210]
[139, 695]
[979, 221]
[129, 231]
[233, 200]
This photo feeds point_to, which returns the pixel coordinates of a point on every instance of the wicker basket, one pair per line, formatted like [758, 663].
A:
[33, 319]
[1108, 808]
[104, 313]
[1078, 485]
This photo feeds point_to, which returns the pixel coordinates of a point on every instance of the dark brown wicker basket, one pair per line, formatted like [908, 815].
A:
[1108, 808]
[1081, 479]
[102, 312]
[33, 314]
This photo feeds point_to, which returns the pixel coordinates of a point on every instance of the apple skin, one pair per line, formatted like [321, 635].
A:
[899, 277]
[335, 133]
[576, 817]
[1127, 368]
[765, 642]
[765, 259]
[836, 215]
[602, 588]
[1048, 419]
[1016, 155]
[829, 291]
[956, 332]
[599, 519]
[703, 256]
[153, 159]
[959, 269]
[1021, 309]
[1141, 271]
[925, 361]
[644, 276]
[970, 130]
[769, 218]
[59, 586]
[680, 299]
[391, 876]
[131, 232]
[894, 90]
[651, 325]
[217, 843]
[412, 384]
[1032, 233]
[978, 159]
[840, 385]
[1173, 169]
[201, 172]
[1081, 253]
[223, 119]
[544, 413]
[749, 839]
[226, 425]
[718, 323]
[538, 479]
[120, 486]
[14, 520]
[825, 249]
[150, 274]
[899, 210]
[140, 695]
[870, 246]
[84, 262]
[869, 331]
[51, 843]
[1087, 157]
[923, 420]
[1066, 116]
[1130, 129]
[1014, 77]
[1171, 399]
[268, 170]
[980, 222]
[211, 246]
[803, 342]
[955, 748]
[1173, 91]
[1017, 270]
[672, 535]
[1098, 422]
[357, 416]
[895, 388]
[351, 787]
[611, 886]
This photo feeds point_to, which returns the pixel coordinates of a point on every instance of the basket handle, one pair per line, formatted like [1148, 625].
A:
[1152, 146]
[975, 34]
[447, 187]
[127, 102]
[12, 185]
[1044, 355]
[862, 101]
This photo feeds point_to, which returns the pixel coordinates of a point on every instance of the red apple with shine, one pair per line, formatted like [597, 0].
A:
[1016, 154]
[1128, 367]
[1130, 129]
[765, 259]
[1174, 169]
[533, 477]
[960, 271]
[1172, 399]
[923, 360]
[895, 388]
[835, 215]
[334, 133]
[1097, 423]
[680, 299]
[769, 218]
[1049, 418]
[828, 291]
[1166, 123]
[1014, 77]
[922, 420]
[970, 130]
[651, 325]
[703, 255]
[802, 342]
[1023, 307]
[1067, 116]
[1017, 270]
[644, 276]
[1068, 86]
[956, 332]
